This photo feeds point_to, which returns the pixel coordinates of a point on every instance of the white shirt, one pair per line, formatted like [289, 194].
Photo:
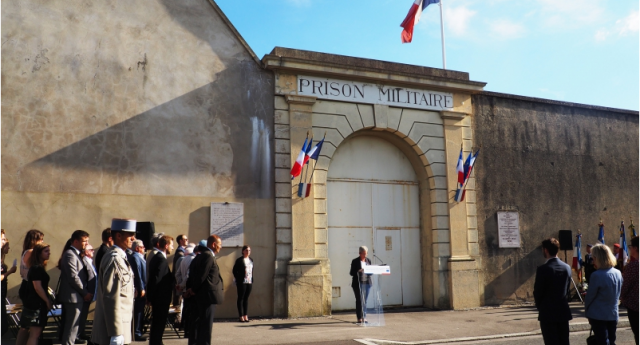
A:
[162, 252]
[183, 270]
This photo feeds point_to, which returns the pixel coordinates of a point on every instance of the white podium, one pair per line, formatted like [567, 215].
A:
[371, 296]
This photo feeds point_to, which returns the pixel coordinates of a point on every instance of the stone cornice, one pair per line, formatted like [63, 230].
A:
[396, 74]
[452, 115]
[295, 99]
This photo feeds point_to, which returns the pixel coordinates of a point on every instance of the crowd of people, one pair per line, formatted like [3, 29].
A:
[124, 279]
[608, 288]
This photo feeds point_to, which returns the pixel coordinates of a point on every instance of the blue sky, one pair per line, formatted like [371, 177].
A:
[582, 51]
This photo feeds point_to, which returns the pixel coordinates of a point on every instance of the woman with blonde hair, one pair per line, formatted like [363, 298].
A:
[37, 303]
[601, 302]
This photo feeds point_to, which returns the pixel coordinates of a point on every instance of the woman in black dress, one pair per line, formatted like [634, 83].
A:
[38, 302]
[243, 275]
[358, 280]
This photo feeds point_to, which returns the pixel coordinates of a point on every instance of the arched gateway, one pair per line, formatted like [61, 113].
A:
[368, 204]
[385, 177]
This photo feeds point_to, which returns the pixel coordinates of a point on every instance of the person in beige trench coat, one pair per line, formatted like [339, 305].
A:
[114, 305]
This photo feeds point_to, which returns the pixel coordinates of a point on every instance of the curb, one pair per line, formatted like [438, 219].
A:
[574, 327]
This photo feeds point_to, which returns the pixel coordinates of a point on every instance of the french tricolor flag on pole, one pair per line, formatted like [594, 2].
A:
[460, 169]
[296, 169]
[413, 17]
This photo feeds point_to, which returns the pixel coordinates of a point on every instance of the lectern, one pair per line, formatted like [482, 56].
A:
[371, 296]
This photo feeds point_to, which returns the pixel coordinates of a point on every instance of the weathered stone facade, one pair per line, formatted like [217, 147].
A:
[149, 110]
[561, 166]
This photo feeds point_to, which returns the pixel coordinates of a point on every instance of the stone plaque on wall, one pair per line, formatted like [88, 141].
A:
[508, 229]
[227, 221]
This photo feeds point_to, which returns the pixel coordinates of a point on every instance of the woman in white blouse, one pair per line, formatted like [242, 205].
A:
[243, 276]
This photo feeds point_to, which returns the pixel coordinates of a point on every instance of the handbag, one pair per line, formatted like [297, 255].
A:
[591, 340]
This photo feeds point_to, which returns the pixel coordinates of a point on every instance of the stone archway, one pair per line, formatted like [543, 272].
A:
[428, 139]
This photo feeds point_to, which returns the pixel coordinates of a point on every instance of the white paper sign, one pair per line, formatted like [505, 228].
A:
[227, 221]
[361, 92]
[508, 230]
[376, 269]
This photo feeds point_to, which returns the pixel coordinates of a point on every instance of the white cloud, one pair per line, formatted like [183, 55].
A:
[570, 14]
[628, 24]
[457, 19]
[622, 27]
[506, 29]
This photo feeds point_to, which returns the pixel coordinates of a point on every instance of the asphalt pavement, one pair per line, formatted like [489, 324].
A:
[498, 325]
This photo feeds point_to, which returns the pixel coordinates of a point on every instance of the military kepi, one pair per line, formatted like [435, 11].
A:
[121, 224]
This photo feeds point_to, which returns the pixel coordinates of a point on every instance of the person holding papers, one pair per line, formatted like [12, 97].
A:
[360, 282]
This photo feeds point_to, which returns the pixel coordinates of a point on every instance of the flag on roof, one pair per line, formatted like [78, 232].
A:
[413, 17]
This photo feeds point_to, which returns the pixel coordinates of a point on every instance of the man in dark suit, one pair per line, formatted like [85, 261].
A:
[589, 268]
[107, 242]
[550, 294]
[182, 241]
[159, 287]
[139, 268]
[73, 286]
[206, 286]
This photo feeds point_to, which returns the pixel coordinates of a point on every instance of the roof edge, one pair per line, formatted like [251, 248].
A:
[555, 102]
[233, 29]
[372, 64]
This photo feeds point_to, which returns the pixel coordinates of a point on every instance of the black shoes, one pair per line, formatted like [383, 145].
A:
[140, 338]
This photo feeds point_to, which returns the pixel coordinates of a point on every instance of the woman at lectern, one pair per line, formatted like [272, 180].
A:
[358, 280]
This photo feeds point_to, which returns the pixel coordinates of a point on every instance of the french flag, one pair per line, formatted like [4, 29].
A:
[413, 17]
[460, 168]
[577, 254]
[296, 169]
[307, 151]
[468, 165]
[601, 232]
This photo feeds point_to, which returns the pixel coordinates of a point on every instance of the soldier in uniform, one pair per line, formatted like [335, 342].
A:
[114, 305]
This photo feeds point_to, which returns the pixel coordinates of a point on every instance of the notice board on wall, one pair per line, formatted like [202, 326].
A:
[227, 221]
[508, 229]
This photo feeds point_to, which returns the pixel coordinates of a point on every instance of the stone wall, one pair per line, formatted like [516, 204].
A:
[562, 166]
[149, 110]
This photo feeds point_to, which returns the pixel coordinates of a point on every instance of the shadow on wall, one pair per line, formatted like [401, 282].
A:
[199, 221]
[505, 285]
[512, 276]
[213, 141]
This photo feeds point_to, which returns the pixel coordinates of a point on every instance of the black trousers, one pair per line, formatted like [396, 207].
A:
[159, 314]
[244, 290]
[361, 312]
[555, 333]
[633, 320]
[200, 333]
[604, 330]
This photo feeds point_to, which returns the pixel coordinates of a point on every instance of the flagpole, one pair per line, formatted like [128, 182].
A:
[444, 54]
[306, 172]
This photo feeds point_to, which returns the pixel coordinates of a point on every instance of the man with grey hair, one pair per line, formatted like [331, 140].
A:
[139, 268]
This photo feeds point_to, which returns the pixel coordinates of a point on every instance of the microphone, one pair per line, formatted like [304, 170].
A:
[383, 264]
